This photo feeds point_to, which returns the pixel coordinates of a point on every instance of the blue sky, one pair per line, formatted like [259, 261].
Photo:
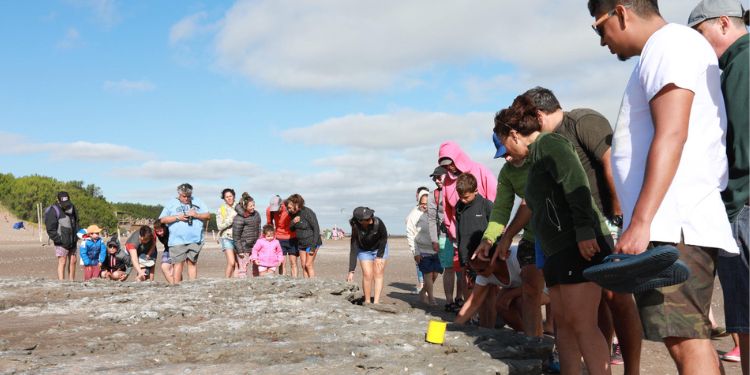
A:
[344, 102]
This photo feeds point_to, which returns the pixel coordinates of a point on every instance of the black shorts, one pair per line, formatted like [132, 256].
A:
[567, 265]
[526, 253]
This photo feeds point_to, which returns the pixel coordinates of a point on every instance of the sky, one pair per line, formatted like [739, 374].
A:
[344, 102]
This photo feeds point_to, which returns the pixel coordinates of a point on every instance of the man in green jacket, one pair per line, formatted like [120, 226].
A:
[723, 24]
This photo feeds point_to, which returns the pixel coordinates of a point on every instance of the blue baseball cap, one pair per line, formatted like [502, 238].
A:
[501, 150]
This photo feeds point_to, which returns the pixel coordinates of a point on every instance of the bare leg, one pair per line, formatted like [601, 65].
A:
[303, 256]
[192, 268]
[379, 273]
[532, 284]
[231, 263]
[448, 282]
[166, 270]
[292, 265]
[744, 340]
[72, 258]
[576, 308]
[177, 272]
[61, 267]
[461, 287]
[693, 356]
[627, 323]
[367, 275]
[310, 264]
[429, 279]
[488, 313]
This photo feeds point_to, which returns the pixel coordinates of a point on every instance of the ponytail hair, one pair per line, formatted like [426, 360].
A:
[246, 198]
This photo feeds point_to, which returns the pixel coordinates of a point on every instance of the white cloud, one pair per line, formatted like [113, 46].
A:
[70, 40]
[338, 44]
[395, 131]
[125, 86]
[14, 144]
[187, 28]
[176, 170]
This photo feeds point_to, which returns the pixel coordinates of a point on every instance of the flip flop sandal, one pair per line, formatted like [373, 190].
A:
[620, 268]
[450, 307]
[675, 274]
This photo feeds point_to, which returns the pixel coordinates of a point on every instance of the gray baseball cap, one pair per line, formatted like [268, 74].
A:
[708, 9]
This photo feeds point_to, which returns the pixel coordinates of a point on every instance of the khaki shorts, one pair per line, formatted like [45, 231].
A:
[190, 251]
[681, 310]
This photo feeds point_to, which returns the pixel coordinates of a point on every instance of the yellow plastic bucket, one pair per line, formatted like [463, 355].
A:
[436, 331]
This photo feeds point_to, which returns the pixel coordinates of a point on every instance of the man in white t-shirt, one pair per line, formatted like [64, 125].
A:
[669, 166]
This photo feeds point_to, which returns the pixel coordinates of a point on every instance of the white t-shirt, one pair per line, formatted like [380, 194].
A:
[514, 271]
[692, 205]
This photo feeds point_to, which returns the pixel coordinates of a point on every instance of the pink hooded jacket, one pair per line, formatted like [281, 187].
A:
[267, 253]
[486, 182]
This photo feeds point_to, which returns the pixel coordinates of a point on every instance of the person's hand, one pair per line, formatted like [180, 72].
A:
[192, 212]
[502, 250]
[635, 239]
[588, 248]
[435, 247]
[123, 276]
[417, 258]
[483, 250]
[180, 217]
[141, 275]
[350, 277]
[295, 220]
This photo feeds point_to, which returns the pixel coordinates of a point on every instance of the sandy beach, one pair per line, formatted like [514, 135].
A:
[24, 257]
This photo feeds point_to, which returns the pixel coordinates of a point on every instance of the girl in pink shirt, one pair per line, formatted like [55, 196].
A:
[267, 253]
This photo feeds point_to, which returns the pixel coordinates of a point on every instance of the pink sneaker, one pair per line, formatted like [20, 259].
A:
[732, 355]
[616, 358]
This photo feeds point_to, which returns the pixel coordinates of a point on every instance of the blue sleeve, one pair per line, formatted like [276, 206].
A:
[84, 254]
[102, 253]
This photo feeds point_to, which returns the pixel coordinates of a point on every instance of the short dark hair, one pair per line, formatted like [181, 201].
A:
[466, 183]
[268, 228]
[296, 199]
[520, 116]
[643, 8]
[422, 188]
[227, 190]
[146, 232]
[543, 99]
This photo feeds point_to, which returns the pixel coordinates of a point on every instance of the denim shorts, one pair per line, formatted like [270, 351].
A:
[365, 255]
[733, 274]
[227, 244]
[430, 263]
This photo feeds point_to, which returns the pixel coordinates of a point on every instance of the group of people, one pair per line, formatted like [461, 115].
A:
[291, 231]
[673, 171]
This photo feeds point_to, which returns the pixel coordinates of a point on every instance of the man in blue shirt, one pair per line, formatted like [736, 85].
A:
[185, 216]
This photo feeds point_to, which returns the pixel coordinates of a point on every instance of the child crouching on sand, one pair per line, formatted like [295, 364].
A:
[267, 253]
[116, 263]
[93, 251]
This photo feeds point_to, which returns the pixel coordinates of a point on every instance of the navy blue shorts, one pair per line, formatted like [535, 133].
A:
[430, 263]
[289, 247]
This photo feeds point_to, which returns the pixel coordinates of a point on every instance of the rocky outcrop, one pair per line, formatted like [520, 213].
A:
[271, 325]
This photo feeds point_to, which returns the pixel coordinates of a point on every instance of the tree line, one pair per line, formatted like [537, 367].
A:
[20, 196]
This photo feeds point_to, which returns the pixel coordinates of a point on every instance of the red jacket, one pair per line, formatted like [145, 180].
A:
[280, 220]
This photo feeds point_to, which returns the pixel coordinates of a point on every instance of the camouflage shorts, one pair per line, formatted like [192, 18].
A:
[681, 310]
